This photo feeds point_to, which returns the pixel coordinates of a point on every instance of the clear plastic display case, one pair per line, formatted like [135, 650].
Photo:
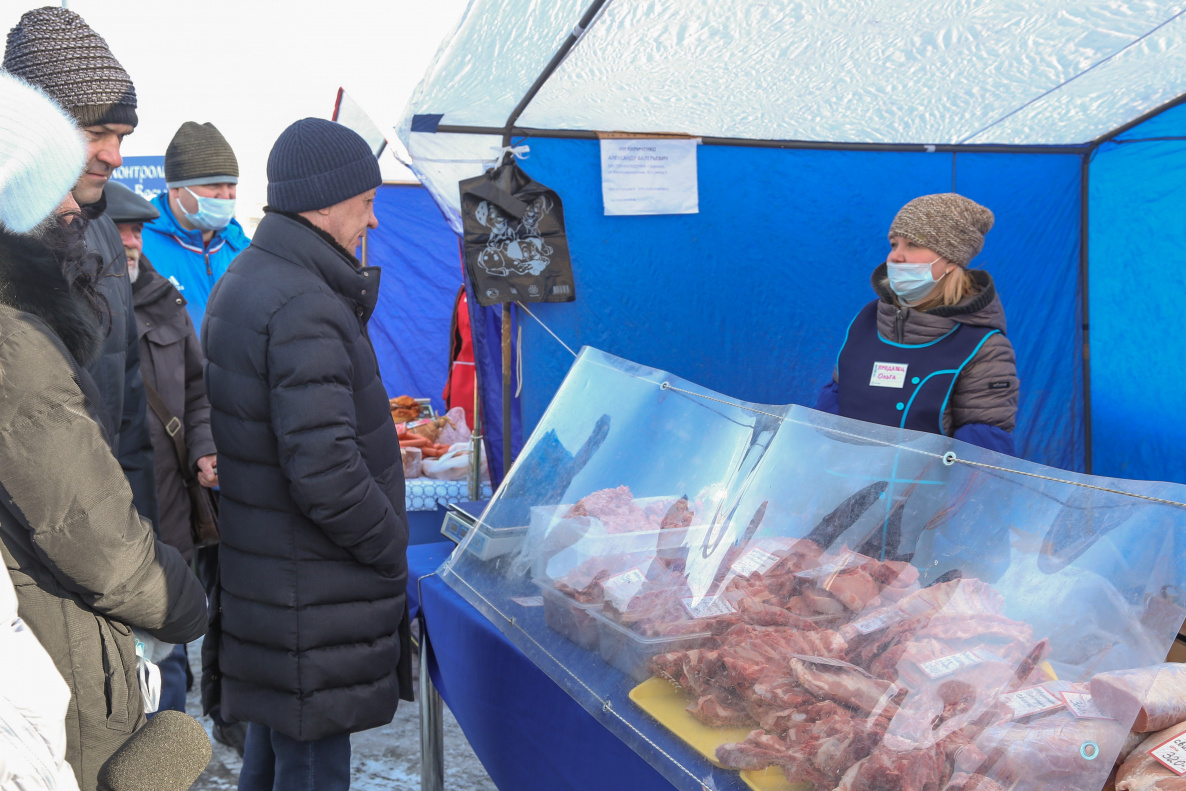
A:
[771, 597]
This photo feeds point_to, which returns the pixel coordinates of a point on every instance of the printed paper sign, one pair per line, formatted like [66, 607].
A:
[1083, 706]
[1031, 700]
[757, 560]
[707, 607]
[946, 665]
[1172, 754]
[528, 601]
[888, 375]
[621, 588]
[649, 176]
[879, 621]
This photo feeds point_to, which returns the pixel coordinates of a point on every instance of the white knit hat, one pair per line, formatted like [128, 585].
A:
[42, 153]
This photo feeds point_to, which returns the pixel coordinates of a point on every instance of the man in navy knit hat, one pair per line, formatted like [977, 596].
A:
[311, 642]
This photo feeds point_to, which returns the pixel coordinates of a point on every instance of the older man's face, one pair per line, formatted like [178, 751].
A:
[349, 219]
[129, 234]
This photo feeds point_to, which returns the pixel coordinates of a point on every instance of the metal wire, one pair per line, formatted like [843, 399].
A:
[546, 327]
[947, 458]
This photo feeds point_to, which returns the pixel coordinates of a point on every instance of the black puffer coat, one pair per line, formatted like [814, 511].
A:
[116, 370]
[85, 566]
[171, 361]
[314, 533]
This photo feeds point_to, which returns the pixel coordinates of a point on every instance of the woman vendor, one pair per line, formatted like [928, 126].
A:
[930, 353]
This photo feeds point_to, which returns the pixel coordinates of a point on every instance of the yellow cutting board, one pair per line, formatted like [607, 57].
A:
[668, 704]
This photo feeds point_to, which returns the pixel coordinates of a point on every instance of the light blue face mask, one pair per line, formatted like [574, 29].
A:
[911, 282]
[213, 214]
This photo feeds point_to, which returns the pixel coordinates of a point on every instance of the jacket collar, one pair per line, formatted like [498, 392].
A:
[167, 224]
[151, 286]
[31, 281]
[295, 239]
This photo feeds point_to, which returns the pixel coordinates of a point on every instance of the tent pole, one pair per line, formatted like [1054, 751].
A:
[506, 389]
[558, 58]
[1085, 303]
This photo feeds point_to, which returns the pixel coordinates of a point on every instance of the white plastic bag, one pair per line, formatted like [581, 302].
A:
[454, 465]
[150, 651]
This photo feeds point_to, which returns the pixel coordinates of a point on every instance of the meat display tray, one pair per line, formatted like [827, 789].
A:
[668, 704]
[631, 652]
[567, 616]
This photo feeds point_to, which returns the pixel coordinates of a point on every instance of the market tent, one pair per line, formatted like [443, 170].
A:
[417, 252]
[818, 121]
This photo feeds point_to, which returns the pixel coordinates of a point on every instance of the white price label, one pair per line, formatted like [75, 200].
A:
[1083, 706]
[707, 607]
[820, 572]
[878, 621]
[946, 665]
[528, 601]
[757, 561]
[1031, 700]
[1172, 754]
[621, 588]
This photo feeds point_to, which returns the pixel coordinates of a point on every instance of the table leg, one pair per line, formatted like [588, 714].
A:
[432, 747]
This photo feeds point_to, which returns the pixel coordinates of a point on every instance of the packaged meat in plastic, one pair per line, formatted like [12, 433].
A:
[1142, 772]
[826, 602]
[412, 459]
[1155, 695]
[455, 429]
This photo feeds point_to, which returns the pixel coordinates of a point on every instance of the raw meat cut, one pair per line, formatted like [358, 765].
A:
[1155, 696]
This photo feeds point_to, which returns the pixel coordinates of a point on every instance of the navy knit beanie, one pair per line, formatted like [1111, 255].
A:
[316, 163]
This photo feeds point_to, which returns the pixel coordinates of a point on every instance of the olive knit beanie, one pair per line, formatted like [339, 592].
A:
[42, 154]
[950, 224]
[56, 50]
[199, 154]
[315, 164]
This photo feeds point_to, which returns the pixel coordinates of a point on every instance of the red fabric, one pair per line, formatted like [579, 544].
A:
[459, 389]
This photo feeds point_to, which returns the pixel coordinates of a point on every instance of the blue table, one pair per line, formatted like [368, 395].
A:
[527, 731]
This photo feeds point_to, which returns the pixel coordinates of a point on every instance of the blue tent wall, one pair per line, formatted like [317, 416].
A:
[752, 295]
[417, 252]
[1137, 228]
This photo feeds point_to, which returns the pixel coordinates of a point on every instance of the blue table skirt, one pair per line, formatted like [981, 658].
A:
[527, 731]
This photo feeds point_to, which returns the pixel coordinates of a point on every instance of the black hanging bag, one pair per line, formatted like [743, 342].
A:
[515, 246]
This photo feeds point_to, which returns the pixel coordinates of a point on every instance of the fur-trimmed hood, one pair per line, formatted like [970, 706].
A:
[31, 281]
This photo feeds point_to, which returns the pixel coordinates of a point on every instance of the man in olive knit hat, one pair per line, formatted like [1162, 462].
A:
[56, 50]
[196, 237]
[313, 640]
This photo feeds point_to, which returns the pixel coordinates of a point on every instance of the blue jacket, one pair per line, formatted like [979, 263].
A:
[180, 256]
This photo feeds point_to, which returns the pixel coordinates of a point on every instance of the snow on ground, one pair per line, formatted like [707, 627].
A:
[383, 759]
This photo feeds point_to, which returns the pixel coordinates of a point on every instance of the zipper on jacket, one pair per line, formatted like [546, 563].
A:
[900, 325]
[209, 271]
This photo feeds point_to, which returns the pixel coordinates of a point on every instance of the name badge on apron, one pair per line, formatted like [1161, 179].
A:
[888, 375]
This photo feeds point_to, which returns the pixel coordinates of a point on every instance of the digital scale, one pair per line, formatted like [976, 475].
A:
[460, 519]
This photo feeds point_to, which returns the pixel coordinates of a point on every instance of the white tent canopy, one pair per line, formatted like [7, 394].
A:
[966, 72]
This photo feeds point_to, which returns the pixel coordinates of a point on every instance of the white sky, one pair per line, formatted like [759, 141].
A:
[252, 67]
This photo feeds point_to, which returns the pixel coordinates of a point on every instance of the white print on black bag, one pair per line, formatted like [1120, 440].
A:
[514, 250]
[514, 241]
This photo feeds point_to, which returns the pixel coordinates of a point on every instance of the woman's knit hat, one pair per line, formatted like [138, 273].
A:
[42, 154]
[199, 154]
[315, 164]
[56, 50]
[950, 224]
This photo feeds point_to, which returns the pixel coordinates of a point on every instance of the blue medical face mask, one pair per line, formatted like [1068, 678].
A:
[213, 214]
[911, 282]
